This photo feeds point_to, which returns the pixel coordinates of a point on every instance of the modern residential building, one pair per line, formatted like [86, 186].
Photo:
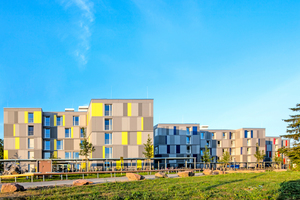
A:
[116, 127]
[272, 146]
[182, 140]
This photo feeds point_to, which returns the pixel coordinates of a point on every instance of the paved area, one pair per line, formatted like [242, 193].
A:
[95, 180]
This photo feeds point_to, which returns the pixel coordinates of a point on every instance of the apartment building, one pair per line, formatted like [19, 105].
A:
[116, 127]
[182, 140]
[272, 146]
[240, 143]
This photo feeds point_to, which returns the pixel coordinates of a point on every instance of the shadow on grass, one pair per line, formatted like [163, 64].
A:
[234, 181]
[289, 190]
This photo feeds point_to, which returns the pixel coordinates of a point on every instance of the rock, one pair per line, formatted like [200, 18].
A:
[207, 172]
[186, 174]
[161, 175]
[134, 177]
[81, 182]
[215, 173]
[11, 187]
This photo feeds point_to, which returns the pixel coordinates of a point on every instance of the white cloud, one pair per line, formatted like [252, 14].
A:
[85, 21]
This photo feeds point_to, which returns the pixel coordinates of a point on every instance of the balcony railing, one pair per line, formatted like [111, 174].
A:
[30, 120]
[108, 113]
[30, 133]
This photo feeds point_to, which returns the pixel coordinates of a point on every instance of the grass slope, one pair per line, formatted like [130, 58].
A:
[268, 185]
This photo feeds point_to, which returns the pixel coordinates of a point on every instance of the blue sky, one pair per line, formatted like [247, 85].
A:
[226, 64]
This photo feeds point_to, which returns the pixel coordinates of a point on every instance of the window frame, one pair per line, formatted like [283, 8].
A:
[61, 145]
[30, 120]
[45, 141]
[76, 123]
[45, 121]
[68, 132]
[45, 133]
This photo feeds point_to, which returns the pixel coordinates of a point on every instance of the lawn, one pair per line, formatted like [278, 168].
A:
[268, 185]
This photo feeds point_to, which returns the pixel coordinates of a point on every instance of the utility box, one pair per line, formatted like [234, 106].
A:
[45, 166]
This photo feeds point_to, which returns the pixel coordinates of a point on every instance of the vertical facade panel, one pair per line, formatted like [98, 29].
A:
[128, 109]
[17, 143]
[97, 109]
[54, 120]
[26, 117]
[124, 138]
[139, 138]
[37, 117]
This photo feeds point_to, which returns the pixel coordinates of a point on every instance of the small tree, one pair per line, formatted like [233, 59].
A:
[206, 158]
[293, 132]
[86, 148]
[225, 159]
[278, 160]
[148, 150]
[259, 155]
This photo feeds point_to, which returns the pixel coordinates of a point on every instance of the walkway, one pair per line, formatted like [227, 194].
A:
[95, 180]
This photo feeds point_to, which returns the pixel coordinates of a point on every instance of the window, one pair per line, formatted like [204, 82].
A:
[67, 155]
[233, 143]
[108, 152]
[156, 132]
[46, 145]
[108, 138]
[258, 142]
[81, 141]
[30, 117]
[30, 130]
[251, 133]
[202, 135]
[232, 135]
[75, 120]
[67, 133]
[47, 133]
[276, 141]
[76, 155]
[47, 121]
[156, 150]
[241, 150]
[233, 151]
[201, 152]
[213, 135]
[108, 124]
[30, 143]
[177, 148]
[188, 149]
[248, 151]
[188, 140]
[195, 130]
[219, 143]
[30, 155]
[248, 142]
[31, 168]
[59, 121]
[81, 132]
[207, 143]
[59, 144]
[174, 130]
[224, 135]
[168, 149]
[108, 109]
[47, 155]
[188, 131]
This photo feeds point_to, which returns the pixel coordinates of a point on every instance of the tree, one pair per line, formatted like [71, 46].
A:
[293, 132]
[206, 158]
[86, 148]
[277, 159]
[148, 149]
[259, 155]
[225, 159]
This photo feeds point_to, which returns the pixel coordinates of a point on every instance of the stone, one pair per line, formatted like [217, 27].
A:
[207, 172]
[81, 182]
[186, 174]
[134, 177]
[11, 187]
[161, 175]
[215, 173]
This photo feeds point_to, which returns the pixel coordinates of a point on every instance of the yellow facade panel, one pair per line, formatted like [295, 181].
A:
[103, 151]
[5, 156]
[124, 138]
[54, 120]
[26, 117]
[54, 154]
[139, 138]
[63, 120]
[128, 109]
[71, 132]
[97, 109]
[139, 164]
[55, 147]
[17, 143]
[37, 117]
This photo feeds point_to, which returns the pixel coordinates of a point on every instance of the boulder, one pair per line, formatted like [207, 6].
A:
[11, 187]
[207, 172]
[185, 174]
[134, 177]
[215, 172]
[81, 182]
[161, 175]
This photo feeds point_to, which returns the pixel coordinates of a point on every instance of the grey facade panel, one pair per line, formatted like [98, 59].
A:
[172, 140]
[16, 117]
[177, 139]
[214, 144]
[148, 123]
[162, 149]
[140, 110]
[117, 124]
[124, 109]
[13, 154]
[132, 138]
[8, 130]
[69, 144]
[172, 149]
[98, 153]
[125, 151]
[141, 149]
[182, 139]
[183, 149]
[194, 149]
